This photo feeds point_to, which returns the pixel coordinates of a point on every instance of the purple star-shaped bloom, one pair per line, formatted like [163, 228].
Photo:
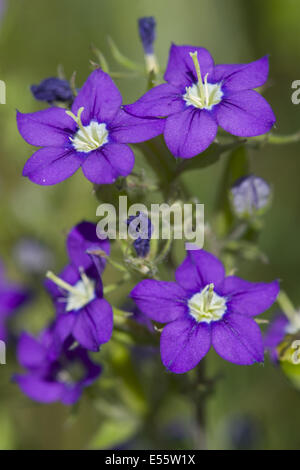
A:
[93, 135]
[203, 308]
[12, 296]
[200, 96]
[54, 378]
[77, 293]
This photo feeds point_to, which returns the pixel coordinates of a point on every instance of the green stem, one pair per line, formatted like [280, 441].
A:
[276, 139]
[286, 305]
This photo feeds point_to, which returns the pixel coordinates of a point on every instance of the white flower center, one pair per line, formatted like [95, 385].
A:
[207, 306]
[78, 295]
[88, 138]
[83, 294]
[212, 95]
[202, 95]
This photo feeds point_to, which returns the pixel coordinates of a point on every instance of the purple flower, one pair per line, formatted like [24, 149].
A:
[200, 96]
[92, 135]
[52, 89]
[50, 379]
[77, 293]
[12, 296]
[250, 196]
[203, 308]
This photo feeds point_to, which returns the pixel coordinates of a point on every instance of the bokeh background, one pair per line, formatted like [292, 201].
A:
[251, 407]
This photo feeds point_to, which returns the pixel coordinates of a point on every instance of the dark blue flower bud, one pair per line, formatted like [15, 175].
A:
[142, 227]
[147, 31]
[250, 196]
[52, 89]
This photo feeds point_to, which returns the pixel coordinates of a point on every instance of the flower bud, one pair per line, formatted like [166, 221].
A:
[250, 196]
[52, 89]
[140, 228]
[147, 31]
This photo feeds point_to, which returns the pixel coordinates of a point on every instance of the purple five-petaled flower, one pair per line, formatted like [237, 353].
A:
[200, 96]
[93, 135]
[51, 378]
[203, 308]
[12, 297]
[78, 293]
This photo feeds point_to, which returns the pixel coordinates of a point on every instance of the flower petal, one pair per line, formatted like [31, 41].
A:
[71, 394]
[242, 76]
[126, 128]
[83, 238]
[245, 114]
[62, 329]
[105, 166]
[50, 126]
[11, 298]
[121, 158]
[275, 334]
[190, 132]
[38, 389]
[160, 300]
[249, 298]
[69, 274]
[238, 339]
[181, 70]
[30, 352]
[99, 97]
[97, 169]
[94, 324]
[199, 269]
[51, 165]
[183, 343]
[160, 101]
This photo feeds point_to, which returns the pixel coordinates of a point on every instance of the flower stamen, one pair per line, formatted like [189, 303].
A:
[88, 138]
[207, 306]
[79, 295]
[202, 95]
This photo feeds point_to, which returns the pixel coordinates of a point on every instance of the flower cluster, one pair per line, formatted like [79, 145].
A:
[83, 318]
[203, 307]
[198, 97]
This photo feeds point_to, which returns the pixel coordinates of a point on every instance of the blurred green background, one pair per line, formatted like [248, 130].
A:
[257, 404]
